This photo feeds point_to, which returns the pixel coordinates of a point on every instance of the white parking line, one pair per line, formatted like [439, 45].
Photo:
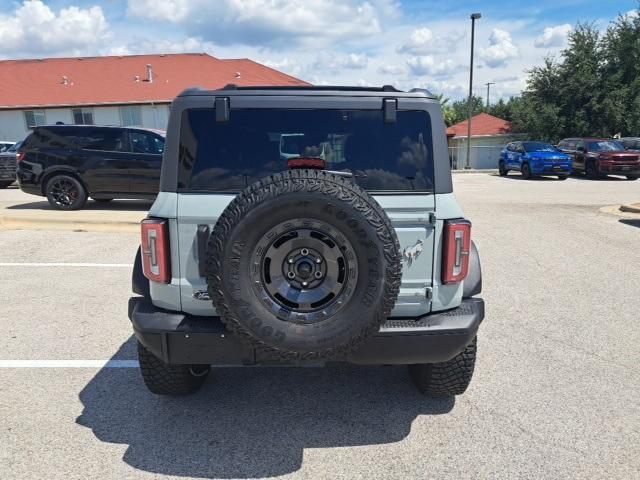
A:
[69, 364]
[92, 265]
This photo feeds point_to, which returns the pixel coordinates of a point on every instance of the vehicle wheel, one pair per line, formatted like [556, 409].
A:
[304, 265]
[632, 177]
[446, 378]
[102, 200]
[591, 171]
[526, 171]
[502, 170]
[563, 177]
[5, 184]
[163, 379]
[65, 193]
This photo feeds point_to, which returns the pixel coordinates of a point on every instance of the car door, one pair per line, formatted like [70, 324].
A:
[518, 150]
[103, 161]
[146, 150]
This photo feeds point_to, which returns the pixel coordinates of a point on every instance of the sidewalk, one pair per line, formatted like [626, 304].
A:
[19, 211]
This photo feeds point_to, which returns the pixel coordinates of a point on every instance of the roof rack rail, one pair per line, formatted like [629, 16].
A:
[384, 88]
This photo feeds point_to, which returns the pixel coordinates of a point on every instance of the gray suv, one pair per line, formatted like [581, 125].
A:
[301, 226]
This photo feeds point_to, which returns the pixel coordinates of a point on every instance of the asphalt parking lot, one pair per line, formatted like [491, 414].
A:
[556, 393]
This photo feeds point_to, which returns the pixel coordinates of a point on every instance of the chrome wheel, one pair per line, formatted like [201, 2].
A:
[304, 271]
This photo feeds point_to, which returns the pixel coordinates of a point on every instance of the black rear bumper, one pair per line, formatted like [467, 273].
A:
[179, 338]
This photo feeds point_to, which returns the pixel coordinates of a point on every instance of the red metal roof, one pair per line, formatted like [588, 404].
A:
[482, 124]
[122, 79]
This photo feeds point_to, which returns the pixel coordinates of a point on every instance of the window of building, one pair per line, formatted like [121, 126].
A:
[131, 116]
[82, 116]
[34, 118]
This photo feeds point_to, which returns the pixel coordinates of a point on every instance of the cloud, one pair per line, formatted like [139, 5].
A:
[392, 69]
[422, 41]
[328, 62]
[553, 36]
[34, 28]
[139, 46]
[427, 65]
[501, 49]
[268, 22]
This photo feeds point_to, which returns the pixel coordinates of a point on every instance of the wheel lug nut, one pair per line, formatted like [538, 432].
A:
[291, 274]
[318, 274]
[304, 251]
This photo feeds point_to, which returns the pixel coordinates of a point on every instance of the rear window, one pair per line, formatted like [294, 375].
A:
[254, 143]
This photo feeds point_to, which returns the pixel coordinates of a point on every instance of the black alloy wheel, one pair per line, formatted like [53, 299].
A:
[305, 274]
[65, 193]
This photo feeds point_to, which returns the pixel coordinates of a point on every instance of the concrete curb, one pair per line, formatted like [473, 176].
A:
[632, 208]
[27, 223]
[487, 170]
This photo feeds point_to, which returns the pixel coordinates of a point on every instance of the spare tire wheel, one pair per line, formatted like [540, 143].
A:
[304, 264]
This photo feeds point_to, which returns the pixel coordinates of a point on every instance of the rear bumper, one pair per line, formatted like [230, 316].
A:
[179, 339]
[28, 182]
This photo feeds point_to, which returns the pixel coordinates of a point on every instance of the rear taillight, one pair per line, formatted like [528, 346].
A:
[156, 263]
[457, 245]
[20, 157]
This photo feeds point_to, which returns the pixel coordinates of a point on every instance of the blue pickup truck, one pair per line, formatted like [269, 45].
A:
[534, 159]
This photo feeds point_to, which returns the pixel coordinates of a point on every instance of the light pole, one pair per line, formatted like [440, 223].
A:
[474, 17]
[488, 86]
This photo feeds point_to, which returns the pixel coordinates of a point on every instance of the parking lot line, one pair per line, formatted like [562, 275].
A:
[69, 364]
[60, 264]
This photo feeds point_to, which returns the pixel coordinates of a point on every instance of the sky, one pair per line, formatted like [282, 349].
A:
[408, 43]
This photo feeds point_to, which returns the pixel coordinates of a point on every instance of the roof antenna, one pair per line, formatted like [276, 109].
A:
[149, 74]
[238, 75]
[65, 80]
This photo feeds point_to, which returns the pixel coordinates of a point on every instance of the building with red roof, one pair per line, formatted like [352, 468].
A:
[489, 135]
[116, 90]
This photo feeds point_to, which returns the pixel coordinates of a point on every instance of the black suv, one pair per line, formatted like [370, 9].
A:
[69, 163]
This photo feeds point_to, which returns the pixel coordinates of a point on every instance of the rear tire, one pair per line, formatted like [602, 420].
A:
[163, 379]
[632, 177]
[446, 378]
[502, 169]
[526, 171]
[5, 184]
[65, 192]
[563, 177]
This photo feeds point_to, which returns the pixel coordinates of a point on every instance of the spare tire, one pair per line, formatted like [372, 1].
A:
[304, 265]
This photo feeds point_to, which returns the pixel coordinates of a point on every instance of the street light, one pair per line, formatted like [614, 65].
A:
[488, 86]
[474, 17]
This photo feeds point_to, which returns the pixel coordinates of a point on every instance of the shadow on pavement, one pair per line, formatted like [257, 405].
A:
[630, 221]
[115, 205]
[252, 422]
[516, 176]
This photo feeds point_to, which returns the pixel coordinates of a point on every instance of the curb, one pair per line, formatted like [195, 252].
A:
[484, 170]
[28, 223]
[633, 208]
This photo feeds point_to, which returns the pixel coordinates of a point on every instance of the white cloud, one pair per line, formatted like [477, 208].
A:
[392, 69]
[33, 28]
[427, 65]
[553, 36]
[269, 22]
[423, 41]
[501, 49]
[140, 46]
[328, 62]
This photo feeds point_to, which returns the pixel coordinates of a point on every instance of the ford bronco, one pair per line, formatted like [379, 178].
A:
[351, 247]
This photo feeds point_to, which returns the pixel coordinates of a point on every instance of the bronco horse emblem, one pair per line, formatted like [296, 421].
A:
[409, 254]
